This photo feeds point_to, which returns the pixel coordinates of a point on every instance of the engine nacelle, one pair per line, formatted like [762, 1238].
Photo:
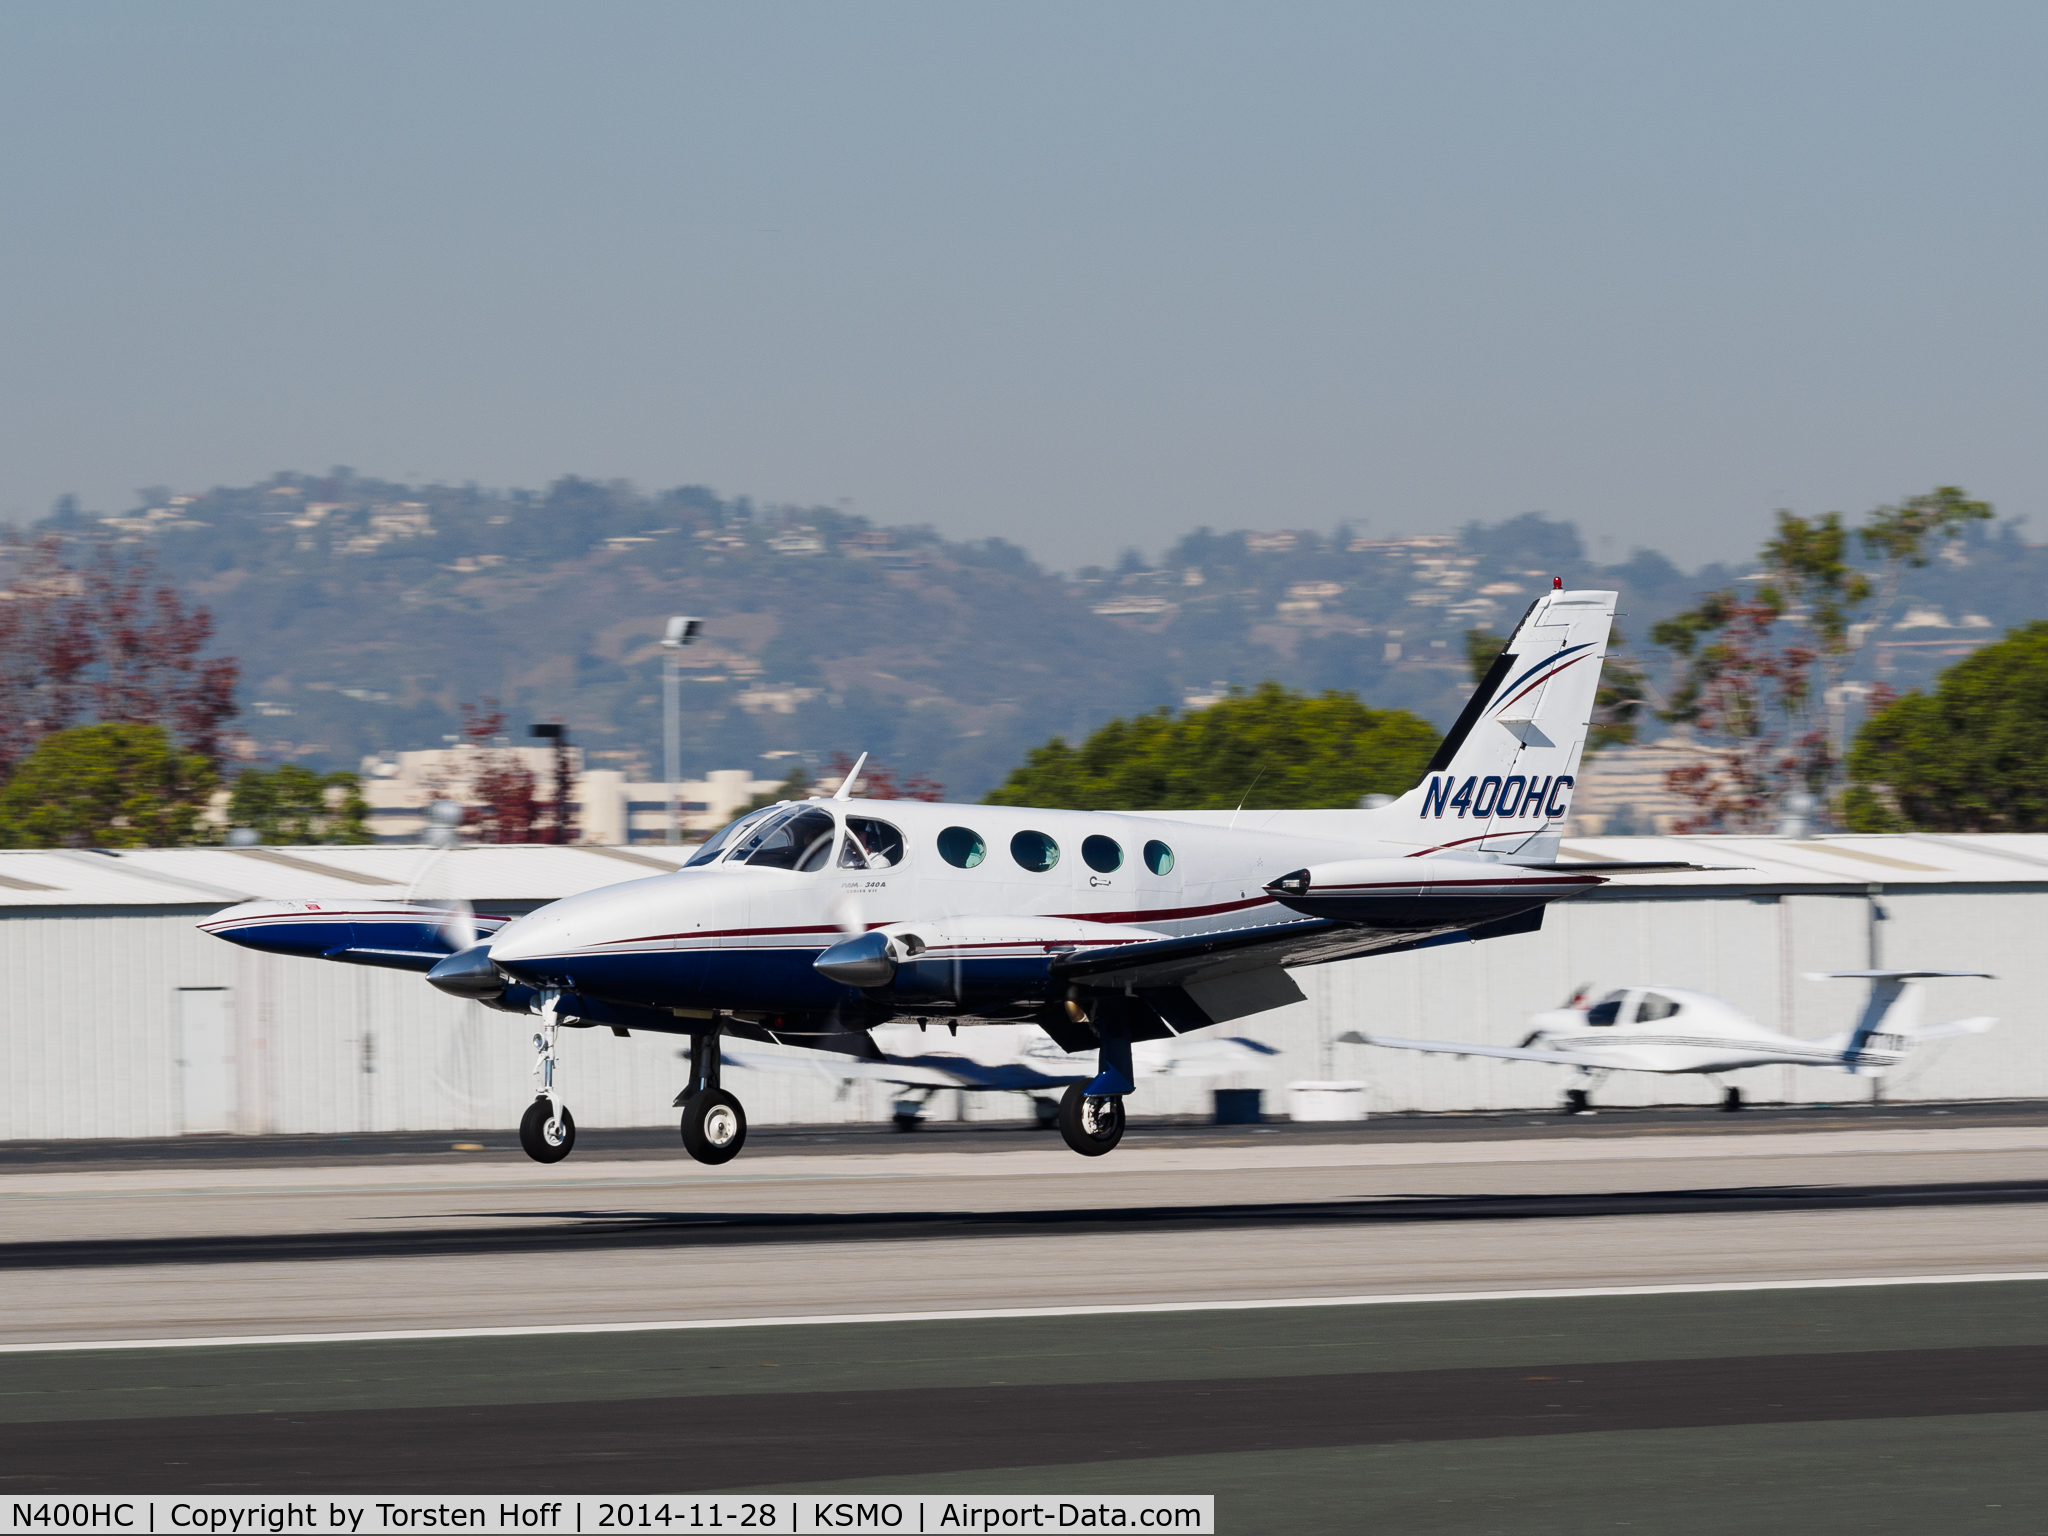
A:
[959, 959]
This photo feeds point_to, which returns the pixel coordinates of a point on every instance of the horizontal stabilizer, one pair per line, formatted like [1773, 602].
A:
[1954, 1029]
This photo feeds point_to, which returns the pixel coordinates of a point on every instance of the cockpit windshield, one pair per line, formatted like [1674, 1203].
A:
[798, 837]
[1607, 1010]
[709, 853]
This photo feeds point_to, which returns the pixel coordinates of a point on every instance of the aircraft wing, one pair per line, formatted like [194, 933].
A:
[1457, 1048]
[1297, 941]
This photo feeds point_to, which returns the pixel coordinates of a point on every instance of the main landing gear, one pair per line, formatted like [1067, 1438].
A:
[1091, 1123]
[547, 1130]
[1731, 1101]
[714, 1125]
[1579, 1101]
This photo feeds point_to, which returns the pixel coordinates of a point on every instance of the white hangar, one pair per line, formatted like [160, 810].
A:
[125, 1020]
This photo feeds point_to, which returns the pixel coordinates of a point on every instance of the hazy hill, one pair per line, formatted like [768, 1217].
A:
[364, 612]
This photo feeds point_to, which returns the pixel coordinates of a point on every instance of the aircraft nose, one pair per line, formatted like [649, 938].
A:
[639, 912]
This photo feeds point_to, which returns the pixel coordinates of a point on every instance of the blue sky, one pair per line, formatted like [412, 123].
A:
[1079, 275]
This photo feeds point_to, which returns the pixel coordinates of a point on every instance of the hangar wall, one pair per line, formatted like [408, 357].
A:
[100, 1006]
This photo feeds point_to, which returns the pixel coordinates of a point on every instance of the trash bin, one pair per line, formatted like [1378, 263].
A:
[1238, 1106]
[1326, 1101]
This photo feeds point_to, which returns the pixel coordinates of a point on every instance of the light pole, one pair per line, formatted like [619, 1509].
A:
[680, 632]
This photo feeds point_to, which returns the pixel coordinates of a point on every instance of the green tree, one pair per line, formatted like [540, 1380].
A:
[291, 805]
[1481, 646]
[106, 786]
[1271, 747]
[797, 786]
[1970, 757]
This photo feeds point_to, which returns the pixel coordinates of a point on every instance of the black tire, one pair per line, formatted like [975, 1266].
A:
[904, 1122]
[1091, 1127]
[533, 1132]
[714, 1127]
[1732, 1103]
[1577, 1101]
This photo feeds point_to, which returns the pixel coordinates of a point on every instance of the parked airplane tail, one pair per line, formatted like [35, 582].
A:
[1891, 1024]
[1501, 781]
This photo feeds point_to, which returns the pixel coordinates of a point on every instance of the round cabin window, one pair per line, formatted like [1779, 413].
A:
[1158, 857]
[1104, 855]
[962, 847]
[1035, 851]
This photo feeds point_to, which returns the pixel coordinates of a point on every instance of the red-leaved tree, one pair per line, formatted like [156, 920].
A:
[500, 786]
[105, 641]
[1749, 691]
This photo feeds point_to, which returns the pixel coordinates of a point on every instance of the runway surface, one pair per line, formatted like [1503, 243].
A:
[1799, 1406]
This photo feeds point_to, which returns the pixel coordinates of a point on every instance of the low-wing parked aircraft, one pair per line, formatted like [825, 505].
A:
[1672, 1029]
[1002, 1058]
[809, 923]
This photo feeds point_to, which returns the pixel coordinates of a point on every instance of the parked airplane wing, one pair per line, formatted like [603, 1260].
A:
[839, 1068]
[1456, 1048]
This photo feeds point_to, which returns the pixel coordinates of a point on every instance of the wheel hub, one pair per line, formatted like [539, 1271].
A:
[721, 1125]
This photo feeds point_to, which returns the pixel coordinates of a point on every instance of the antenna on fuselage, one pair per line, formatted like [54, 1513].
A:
[845, 789]
[1247, 794]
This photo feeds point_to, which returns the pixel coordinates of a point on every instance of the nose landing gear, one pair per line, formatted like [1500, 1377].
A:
[714, 1125]
[547, 1130]
[547, 1138]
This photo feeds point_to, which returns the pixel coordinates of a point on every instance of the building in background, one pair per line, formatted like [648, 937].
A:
[610, 808]
[126, 1020]
[1622, 790]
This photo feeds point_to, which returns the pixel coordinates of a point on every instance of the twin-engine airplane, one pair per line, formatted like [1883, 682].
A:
[810, 923]
[1671, 1029]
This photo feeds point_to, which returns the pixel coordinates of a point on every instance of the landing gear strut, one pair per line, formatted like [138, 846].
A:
[1091, 1123]
[547, 1130]
[1579, 1101]
[714, 1125]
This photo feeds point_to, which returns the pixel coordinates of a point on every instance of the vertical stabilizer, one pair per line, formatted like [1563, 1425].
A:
[1502, 780]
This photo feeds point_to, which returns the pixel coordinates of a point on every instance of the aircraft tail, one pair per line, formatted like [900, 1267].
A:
[1501, 781]
[1891, 1025]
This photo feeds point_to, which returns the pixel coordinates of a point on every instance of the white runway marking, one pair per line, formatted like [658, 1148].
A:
[404, 1335]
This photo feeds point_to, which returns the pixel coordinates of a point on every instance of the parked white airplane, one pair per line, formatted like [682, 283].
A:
[809, 924]
[1671, 1029]
[1002, 1058]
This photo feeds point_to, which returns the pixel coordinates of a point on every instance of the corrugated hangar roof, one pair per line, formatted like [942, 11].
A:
[210, 876]
[537, 872]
